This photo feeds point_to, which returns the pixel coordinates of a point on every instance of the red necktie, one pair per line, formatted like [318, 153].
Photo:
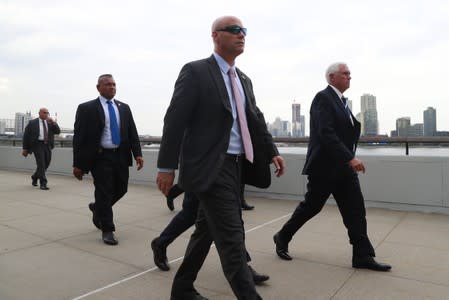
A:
[45, 132]
[246, 137]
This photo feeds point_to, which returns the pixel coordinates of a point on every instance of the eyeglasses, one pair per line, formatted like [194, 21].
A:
[234, 29]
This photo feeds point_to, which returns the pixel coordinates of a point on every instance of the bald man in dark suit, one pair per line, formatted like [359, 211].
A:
[38, 138]
[216, 134]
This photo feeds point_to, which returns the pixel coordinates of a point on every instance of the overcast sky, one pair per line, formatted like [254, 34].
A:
[52, 51]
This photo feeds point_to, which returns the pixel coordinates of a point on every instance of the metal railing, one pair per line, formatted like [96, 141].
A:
[364, 140]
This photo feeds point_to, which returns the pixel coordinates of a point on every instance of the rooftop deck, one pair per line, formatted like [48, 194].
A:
[49, 249]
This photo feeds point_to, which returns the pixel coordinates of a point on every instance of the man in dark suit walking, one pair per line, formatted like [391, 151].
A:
[38, 138]
[215, 132]
[182, 221]
[104, 141]
[332, 168]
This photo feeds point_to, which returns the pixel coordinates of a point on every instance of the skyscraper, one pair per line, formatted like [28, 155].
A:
[368, 115]
[303, 126]
[21, 121]
[416, 129]
[2, 127]
[402, 126]
[296, 120]
[430, 121]
[279, 128]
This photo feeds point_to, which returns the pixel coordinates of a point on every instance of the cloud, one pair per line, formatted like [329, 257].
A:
[53, 51]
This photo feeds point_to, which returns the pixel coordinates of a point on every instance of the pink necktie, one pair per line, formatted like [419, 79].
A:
[246, 138]
[45, 132]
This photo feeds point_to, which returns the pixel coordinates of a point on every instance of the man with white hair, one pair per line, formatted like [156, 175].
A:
[331, 168]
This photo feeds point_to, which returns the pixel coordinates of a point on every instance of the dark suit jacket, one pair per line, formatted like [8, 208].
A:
[198, 123]
[88, 129]
[31, 134]
[333, 139]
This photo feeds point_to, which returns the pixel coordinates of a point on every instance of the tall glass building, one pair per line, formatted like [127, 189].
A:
[430, 121]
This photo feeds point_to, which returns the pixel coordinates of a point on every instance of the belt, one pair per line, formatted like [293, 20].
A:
[106, 150]
[235, 157]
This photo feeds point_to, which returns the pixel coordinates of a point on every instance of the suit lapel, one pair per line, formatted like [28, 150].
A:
[340, 105]
[247, 90]
[100, 111]
[215, 72]
[36, 127]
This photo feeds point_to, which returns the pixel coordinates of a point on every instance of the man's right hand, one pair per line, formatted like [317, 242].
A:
[25, 152]
[165, 181]
[357, 165]
[78, 173]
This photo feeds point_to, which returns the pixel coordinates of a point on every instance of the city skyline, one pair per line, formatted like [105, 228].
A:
[282, 127]
[399, 56]
[403, 127]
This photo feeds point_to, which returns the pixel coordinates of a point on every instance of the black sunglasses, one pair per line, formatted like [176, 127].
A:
[234, 29]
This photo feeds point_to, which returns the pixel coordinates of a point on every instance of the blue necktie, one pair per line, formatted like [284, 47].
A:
[345, 102]
[348, 111]
[115, 133]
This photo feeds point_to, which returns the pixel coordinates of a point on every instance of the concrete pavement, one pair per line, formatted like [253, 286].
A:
[49, 249]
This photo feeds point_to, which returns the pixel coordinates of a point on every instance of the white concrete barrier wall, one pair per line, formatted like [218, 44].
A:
[396, 182]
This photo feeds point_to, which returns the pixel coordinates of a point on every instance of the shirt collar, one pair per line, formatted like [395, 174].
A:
[339, 94]
[222, 64]
[104, 100]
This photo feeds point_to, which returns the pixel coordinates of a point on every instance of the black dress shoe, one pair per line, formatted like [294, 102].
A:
[257, 277]
[281, 248]
[95, 219]
[194, 296]
[368, 262]
[160, 255]
[44, 187]
[174, 192]
[109, 238]
[246, 206]
[33, 181]
[170, 204]
[200, 297]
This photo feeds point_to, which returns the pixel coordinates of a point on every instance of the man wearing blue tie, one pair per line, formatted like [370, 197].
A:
[331, 168]
[104, 141]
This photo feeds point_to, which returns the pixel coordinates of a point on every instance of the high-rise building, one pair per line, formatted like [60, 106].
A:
[430, 121]
[303, 126]
[402, 126]
[416, 129]
[9, 124]
[2, 127]
[368, 115]
[279, 128]
[21, 121]
[296, 120]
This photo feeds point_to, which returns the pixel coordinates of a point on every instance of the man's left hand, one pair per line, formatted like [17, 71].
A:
[139, 162]
[279, 163]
